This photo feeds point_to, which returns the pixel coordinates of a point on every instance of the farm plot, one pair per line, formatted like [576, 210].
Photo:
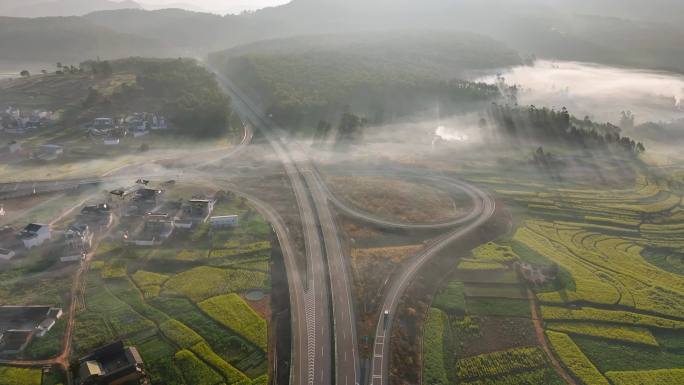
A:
[617, 299]
[10, 375]
[232, 311]
[434, 370]
[574, 360]
[204, 282]
[629, 334]
[149, 298]
[647, 377]
[500, 363]
[606, 270]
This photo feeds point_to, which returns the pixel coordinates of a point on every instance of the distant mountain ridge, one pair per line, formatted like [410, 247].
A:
[47, 8]
[552, 29]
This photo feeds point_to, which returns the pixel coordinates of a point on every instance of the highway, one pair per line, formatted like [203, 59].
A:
[311, 354]
[483, 211]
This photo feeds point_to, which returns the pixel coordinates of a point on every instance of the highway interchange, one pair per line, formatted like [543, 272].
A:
[324, 339]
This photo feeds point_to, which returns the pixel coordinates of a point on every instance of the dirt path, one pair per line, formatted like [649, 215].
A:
[539, 331]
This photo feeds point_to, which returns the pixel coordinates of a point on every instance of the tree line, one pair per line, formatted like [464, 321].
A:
[546, 125]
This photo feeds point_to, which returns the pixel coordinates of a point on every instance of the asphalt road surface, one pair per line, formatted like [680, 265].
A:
[311, 355]
[484, 207]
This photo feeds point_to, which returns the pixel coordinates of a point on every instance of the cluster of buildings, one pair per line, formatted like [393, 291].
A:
[20, 324]
[14, 120]
[111, 130]
[151, 219]
[70, 245]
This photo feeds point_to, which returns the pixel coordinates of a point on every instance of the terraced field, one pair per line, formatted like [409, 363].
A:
[606, 270]
[160, 300]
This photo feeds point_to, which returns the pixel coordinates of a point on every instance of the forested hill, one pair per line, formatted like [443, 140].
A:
[380, 75]
[69, 40]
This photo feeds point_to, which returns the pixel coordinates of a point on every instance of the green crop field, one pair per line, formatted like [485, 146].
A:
[647, 377]
[10, 375]
[433, 353]
[196, 371]
[203, 282]
[451, 299]
[574, 360]
[151, 299]
[496, 364]
[630, 334]
[232, 311]
[498, 307]
[613, 304]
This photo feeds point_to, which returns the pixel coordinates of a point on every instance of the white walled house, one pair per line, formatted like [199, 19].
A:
[6, 254]
[34, 234]
[223, 221]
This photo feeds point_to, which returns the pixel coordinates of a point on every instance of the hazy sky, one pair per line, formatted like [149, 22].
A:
[216, 6]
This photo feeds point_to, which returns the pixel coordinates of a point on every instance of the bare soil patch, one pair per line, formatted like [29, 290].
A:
[397, 199]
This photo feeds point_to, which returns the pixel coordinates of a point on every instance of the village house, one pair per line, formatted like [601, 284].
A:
[78, 239]
[113, 364]
[98, 217]
[6, 254]
[34, 234]
[223, 221]
[103, 123]
[20, 324]
[49, 152]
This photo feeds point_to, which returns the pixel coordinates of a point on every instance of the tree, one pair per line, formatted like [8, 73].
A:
[44, 72]
[59, 64]
[626, 120]
[25, 74]
[640, 147]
